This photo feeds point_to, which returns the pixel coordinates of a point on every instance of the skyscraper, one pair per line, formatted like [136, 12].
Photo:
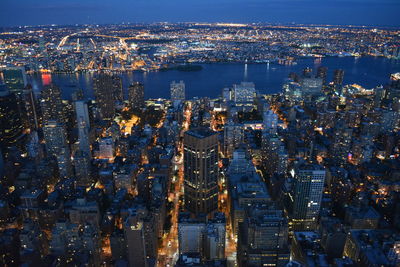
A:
[11, 128]
[311, 86]
[263, 237]
[51, 103]
[64, 163]
[55, 137]
[136, 95]
[82, 168]
[117, 88]
[270, 122]
[29, 107]
[306, 195]
[177, 91]
[244, 92]
[104, 92]
[190, 233]
[83, 123]
[338, 76]
[322, 73]
[15, 78]
[202, 236]
[201, 170]
[135, 241]
[82, 113]
[227, 94]
[233, 137]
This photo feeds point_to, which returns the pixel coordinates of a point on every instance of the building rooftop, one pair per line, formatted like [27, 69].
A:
[200, 132]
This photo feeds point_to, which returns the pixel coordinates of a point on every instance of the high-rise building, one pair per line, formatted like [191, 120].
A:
[33, 147]
[55, 137]
[117, 88]
[338, 76]
[177, 91]
[42, 44]
[215, 237]
[306, 195]
[30, 108]
[322, 73]
[51, 103]
[104, 92]
[136, 95]
[340, 146]
[233, 137]
[201, 170]
[201, 236]
[64, 163]
[262, 239]
[83, 123]
[244, 92]
[311, 86]
[15, 78]
[226, 94]
[11, 128]
[135, 241]
[106, 148]
[82, 113]
[270, 122]
[292, 91]
[190, 234]
[82, 168]
[91, 243]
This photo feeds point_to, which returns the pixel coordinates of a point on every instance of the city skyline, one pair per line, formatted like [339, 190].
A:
[200, 144]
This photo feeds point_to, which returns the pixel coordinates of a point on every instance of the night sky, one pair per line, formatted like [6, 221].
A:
[356, 12]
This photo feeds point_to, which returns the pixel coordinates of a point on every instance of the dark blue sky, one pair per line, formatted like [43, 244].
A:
[357, 12]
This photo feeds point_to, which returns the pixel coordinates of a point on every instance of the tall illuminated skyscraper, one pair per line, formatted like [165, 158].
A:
[201, 170]
[306, 195]
[11, 128]
[51, 103]
[104, 92]
[30, 108]
[136, 95]
[55, 137]
[177, 91]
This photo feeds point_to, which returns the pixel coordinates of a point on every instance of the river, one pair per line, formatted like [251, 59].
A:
[268, 78]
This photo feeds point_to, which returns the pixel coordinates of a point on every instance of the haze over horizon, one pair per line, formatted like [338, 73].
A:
[335, 12]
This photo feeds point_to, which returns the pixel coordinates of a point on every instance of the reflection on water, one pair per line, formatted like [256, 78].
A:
[366, 71]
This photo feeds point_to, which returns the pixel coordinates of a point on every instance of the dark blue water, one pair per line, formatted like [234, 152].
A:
[268, 78]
